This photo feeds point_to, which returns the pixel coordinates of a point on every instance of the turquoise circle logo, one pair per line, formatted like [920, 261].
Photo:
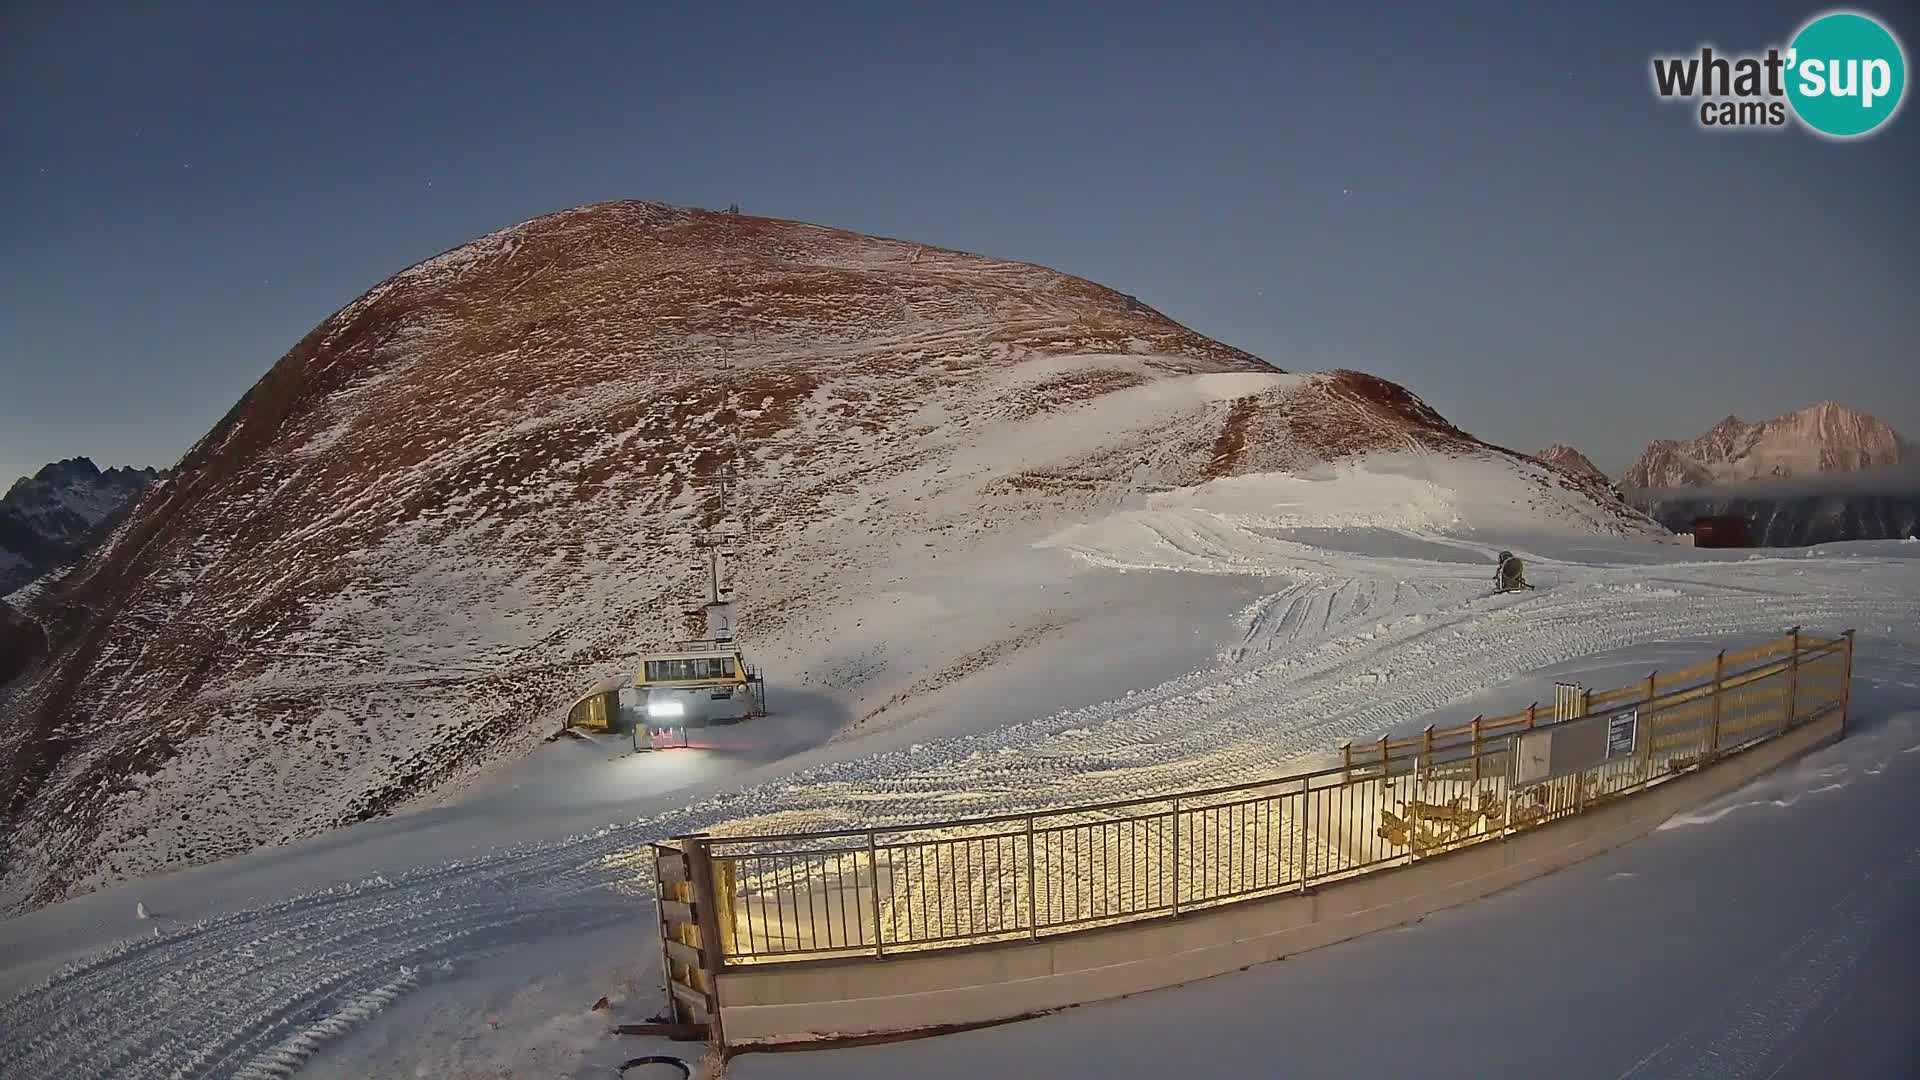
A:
[1846, 74]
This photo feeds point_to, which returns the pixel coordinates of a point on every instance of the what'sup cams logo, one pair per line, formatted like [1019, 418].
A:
[1842, 76]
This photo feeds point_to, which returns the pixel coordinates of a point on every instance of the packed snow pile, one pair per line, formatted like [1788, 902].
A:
[475, 490]
[1825, 438]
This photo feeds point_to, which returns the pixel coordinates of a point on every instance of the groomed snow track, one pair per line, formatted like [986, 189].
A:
[1353, 646]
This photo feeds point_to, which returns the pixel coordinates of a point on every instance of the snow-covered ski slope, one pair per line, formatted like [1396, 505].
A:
[473, 493]
[1298, 610]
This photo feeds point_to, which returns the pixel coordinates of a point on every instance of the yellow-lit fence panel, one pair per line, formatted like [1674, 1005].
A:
[1395, 800]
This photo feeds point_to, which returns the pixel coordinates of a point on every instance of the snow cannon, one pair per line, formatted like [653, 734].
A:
[1511, 575]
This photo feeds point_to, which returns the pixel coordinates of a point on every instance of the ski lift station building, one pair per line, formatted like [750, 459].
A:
[694, 685]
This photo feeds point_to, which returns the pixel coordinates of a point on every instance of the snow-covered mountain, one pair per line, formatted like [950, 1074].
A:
[477, 487]
[1571, 460]
[53, 517]
[1825, 438]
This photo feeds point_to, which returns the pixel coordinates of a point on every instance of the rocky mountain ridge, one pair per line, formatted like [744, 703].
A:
[54, 517]
[1826, 437]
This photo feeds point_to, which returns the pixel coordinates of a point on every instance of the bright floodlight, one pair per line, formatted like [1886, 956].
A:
[666, 708]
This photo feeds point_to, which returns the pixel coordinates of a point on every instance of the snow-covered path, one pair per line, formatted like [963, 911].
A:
[1349, 645]
[1357, 647]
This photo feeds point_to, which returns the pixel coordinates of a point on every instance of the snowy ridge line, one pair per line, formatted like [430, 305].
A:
[250, 982]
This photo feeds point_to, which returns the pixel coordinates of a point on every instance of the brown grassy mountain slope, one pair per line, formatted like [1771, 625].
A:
[476, 487]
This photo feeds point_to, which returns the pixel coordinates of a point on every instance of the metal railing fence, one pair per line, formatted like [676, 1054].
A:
[949, 884]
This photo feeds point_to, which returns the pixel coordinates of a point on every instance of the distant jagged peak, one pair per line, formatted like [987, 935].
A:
[65, 471]
[1825, 437]
[81, 469]
[1570, 459]
[1830, 411]
[73, 473]
[73, 466]
[56, 515]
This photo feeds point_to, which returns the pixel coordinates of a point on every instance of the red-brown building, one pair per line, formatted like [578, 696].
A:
[1723, 531]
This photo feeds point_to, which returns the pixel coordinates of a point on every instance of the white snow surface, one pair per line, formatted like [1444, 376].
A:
[1236, 524]
[1197, 637]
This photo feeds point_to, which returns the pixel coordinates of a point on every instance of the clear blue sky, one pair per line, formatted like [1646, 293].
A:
[1528, 238]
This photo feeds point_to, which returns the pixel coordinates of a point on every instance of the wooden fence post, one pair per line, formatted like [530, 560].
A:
[1531, 709]
[1033, 913]
[1713, 725]
[873, 871]
[1176, 857]
[1645, 724]
[706, 913]
[1346, 762]
[1413, 810]
[1793, 682]
[662, 892]
[1846, 688]
[1306, 788]
[1476, 750]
